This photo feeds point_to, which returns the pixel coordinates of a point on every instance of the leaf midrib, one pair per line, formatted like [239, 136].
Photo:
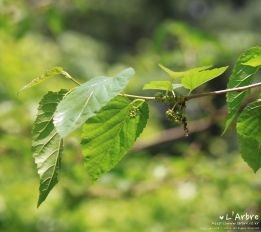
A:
[56, 164]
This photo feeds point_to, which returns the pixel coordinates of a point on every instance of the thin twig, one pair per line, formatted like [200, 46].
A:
[135, 96]
[239, 89]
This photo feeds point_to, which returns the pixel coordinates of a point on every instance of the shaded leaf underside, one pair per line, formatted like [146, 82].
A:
[86, 100]
[47, 145]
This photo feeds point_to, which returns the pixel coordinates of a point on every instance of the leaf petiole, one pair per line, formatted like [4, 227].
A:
[135, 96]
[68, 76]
[137, 100]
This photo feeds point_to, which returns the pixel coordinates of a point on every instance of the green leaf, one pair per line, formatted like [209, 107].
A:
[250, 150]
[162, 85]
[242, 75]
[108, 136]
[86, 100]
[254, 62]
[181, 74]
[193, 80]
[249, 121]
[49, 73]
[47, 145]
[249, 130]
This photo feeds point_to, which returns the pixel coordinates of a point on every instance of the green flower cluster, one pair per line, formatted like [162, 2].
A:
[174, 116]
[133, 111]
[178, 117]
[159, 96]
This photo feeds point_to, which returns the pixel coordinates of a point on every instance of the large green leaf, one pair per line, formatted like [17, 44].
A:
[47, 144]
[250, 150]
[108, 136]
[249, 130]
[49, 73]
[181, 74]
[192, 80]
[242, 75]
[249, 121]
[86, 100]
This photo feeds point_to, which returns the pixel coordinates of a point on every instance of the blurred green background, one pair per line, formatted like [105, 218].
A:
[166, 182]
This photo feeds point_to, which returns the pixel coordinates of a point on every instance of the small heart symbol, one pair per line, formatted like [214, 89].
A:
[221, 217]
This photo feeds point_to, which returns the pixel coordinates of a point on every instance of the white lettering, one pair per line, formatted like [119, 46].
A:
[237, 216]
[227, 217]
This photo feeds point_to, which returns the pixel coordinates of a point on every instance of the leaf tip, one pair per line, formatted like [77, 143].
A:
[130, 69]
[224, 131]
[20, 91]
[39, 203]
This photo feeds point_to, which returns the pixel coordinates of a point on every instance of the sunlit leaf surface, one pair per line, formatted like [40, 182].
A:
[181, 74]
[193, 80]
[108, 136]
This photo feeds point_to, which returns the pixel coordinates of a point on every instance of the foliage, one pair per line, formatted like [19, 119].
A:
[113, 123]
[47, 146]
[195, 79]
[108, 136]
[242, 75]
[177, 184]
[85, 101]
[49, 73]
[185, 73]
[248, 128]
